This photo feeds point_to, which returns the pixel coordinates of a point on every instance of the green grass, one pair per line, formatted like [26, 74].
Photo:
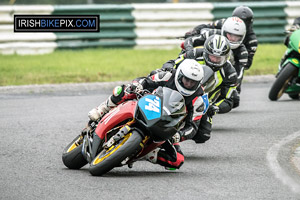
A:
[93, 65]
[266, 59]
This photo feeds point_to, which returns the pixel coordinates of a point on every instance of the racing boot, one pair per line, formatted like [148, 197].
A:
[97, 113]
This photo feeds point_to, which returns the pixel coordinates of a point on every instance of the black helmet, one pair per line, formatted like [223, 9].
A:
[245, 13]
[296, 21]
[216, 51]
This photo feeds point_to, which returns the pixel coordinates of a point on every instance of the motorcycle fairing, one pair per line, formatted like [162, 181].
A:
[293, 61]
[121, 113]
[151, 106]
[206, 102]
[295, 41]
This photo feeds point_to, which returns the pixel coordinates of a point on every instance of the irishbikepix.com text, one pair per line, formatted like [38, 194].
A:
[56, 23]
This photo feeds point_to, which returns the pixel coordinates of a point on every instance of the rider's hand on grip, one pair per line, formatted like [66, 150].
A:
[212, 110]
[294, 28]
[190, 34]
[190, 54]
[134, 87]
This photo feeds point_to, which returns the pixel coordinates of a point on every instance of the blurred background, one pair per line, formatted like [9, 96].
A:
[136, 23]
[133, 33]
[68, 2]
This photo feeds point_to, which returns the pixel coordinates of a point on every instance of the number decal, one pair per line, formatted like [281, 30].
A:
[153, 105]
[150, 105]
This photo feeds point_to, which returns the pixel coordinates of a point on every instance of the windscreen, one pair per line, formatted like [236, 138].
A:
[173, 102]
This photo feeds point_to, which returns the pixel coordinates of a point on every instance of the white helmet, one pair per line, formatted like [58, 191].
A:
[188, 77]
[234, 29]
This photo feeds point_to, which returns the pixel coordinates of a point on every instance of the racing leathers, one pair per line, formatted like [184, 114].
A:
[238, 56]
[250, 41]
[169, 154]
[219, 85]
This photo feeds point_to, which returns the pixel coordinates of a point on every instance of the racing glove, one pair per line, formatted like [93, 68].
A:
[190, 34]
[190, 54]
[133, 87]
[212, 110]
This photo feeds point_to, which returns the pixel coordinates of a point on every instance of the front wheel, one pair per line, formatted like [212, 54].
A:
[282, 81]
[72, 156]
[109, 158]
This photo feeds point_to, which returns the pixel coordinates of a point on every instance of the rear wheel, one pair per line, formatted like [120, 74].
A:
[72, 156]
[109, 158]
[282, 82]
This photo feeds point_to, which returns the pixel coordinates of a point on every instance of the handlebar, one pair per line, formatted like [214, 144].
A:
[140, 93]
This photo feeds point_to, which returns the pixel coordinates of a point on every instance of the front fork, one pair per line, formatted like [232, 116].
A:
[93, 144]
[294, 84]
[91, 141]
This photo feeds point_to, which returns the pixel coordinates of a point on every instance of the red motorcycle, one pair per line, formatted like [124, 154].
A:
[128, 132]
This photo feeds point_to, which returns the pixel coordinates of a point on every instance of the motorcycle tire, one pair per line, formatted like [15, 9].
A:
[107, 159]
[282, 81]
[72, 156]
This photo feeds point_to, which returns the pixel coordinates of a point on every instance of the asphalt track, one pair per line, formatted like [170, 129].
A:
[250, 154]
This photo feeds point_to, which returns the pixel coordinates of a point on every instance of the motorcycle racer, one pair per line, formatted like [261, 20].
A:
[187, 80]
[234, 29]
[295, 26]
[250, 41]
[220, 86]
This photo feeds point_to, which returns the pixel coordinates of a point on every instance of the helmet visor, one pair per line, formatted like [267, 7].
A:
[233, 38]
[187, 83]
[217, 60]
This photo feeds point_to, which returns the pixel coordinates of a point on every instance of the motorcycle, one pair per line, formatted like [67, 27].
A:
[128, 132]
[288, 76]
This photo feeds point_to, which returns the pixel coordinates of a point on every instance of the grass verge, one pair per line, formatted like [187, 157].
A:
[98, 65]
